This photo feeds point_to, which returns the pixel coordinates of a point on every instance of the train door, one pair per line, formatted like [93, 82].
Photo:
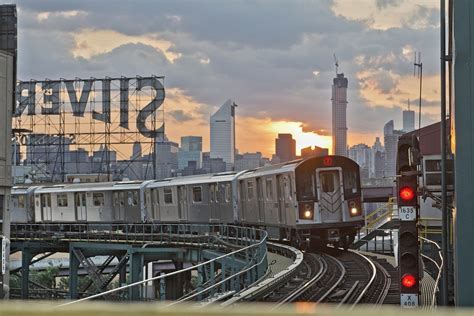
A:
[119, 205]
[46, 211]
[155, 198]
[182, 203]
[81, 206]
[281, 198]
[213, 201]
[260, 201]
[330, 195]
[243, 201]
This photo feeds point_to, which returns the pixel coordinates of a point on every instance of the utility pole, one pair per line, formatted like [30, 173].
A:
[418, 64]
[444, 211]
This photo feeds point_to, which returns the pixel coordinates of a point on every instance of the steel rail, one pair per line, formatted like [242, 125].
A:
[292, 296]
[439, 266]
[337, 283]
[371, 280]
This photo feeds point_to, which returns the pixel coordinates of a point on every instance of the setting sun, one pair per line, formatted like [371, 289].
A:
[303, 139]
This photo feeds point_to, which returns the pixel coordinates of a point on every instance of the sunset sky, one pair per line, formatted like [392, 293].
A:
[273, 58]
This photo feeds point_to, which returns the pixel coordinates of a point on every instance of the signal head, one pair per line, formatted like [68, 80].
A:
[407, 193]
[408, 280]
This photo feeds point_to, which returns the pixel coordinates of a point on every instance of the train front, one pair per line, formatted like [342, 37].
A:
[329, 199]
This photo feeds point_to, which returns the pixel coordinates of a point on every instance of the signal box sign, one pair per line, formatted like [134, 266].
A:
[409, 300]
[407, 213]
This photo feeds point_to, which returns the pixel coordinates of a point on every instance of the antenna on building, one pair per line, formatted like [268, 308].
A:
[418, 65]
[336, 63]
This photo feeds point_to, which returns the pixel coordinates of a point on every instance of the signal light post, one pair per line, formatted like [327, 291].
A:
[408, 209]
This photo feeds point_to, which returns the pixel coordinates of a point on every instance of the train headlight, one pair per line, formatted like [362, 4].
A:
[306, 210]
[354, 208]
[354, 211]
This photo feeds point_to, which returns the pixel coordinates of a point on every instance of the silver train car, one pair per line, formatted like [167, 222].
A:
[316, 199]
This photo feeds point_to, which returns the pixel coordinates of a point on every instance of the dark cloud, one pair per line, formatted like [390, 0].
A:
[383, 4]
[180, 115]
[262, 54]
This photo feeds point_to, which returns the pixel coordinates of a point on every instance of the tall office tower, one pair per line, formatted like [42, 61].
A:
[285, 147]
[223, 134]
[378, 160]
[248, 161]
[408, 121]
[314, 152]
[190, 151]
[339, 107]
[362, 154]
[166, 155]
[390, 141]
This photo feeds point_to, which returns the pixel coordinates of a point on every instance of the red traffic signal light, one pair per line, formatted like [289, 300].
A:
[407, 193]
[408, 280]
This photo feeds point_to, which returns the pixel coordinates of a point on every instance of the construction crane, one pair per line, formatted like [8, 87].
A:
[336, 63]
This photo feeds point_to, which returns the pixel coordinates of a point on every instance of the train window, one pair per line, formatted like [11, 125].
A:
[62, 200]
[14, 200]
[242, 191]
[327, 181]
[290, 187]
[98, 199]
[227, 192]
[212, 193]
[21, 201]
[133, 198]
[250, 190]
[156, 196]
[350, 182]
[287, 188]
[306, 185]
[197, 194]
[168, 196]
[269, 188]
[122, 198]
[216, 187]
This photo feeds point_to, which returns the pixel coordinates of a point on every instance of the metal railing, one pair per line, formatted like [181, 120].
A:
[439, 266]
[381, 215]
[242, 266]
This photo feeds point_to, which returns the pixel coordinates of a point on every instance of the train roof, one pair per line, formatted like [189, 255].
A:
[90, 186]
[272, 169]
[195, 179]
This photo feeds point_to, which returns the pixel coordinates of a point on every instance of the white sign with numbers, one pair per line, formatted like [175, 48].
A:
[4, 255]
[409, 300]
[407, 213]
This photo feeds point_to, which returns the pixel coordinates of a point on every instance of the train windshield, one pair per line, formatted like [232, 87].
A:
[305, 186]
[351, 183]
[327, 181]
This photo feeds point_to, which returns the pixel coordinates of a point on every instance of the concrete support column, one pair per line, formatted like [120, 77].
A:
[26, 257]
[463, 141]
[73, 275]
[136, 274]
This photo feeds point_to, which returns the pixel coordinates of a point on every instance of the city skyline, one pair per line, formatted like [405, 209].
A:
[280, 83]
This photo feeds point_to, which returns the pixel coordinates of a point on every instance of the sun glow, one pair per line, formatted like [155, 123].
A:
[303, 139]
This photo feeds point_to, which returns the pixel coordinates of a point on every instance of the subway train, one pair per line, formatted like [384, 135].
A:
[315, 200]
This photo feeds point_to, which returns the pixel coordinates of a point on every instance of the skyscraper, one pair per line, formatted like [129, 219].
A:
[285, 147]
[339, 107]
[361, 154]
[191, 150]
[166, 155]
[223, 134]
[408, 121]
[390, 142]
